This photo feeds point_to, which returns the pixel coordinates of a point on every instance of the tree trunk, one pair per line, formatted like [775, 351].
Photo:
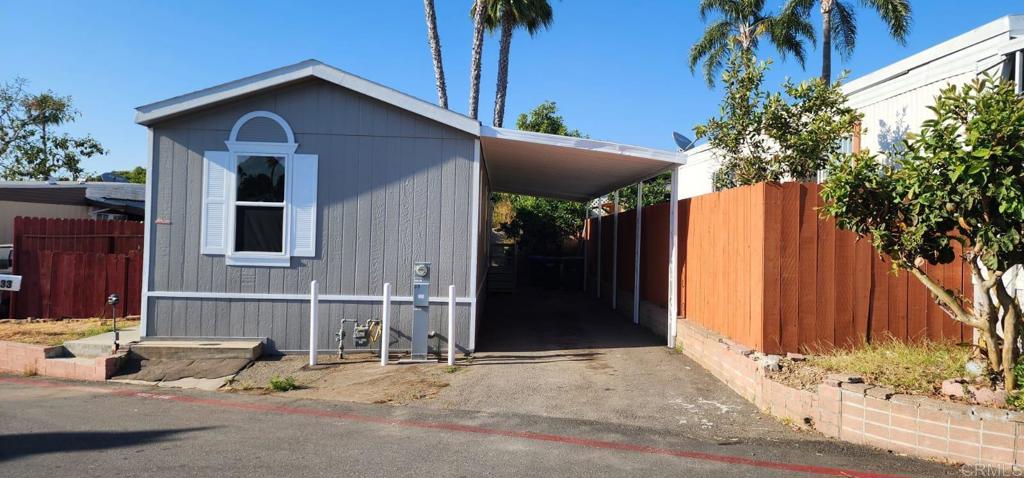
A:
[826, 40]
[507, 25]
[435, 52]
[478, 49]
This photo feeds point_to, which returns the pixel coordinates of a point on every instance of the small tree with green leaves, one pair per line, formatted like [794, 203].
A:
[30, 146]
[959, 180]
[763, 136]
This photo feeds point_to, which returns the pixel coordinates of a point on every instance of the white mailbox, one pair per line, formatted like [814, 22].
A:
[10, 282]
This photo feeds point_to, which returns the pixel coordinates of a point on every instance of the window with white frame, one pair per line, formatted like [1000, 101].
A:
[259, 200]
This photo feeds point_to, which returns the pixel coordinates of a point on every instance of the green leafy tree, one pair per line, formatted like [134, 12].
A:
[31, 146]
[136, 175]
[508, 16]
[656, 190]
[839, 23]
[959, 180]
[542, 225]
[742, 24]
[763, 136]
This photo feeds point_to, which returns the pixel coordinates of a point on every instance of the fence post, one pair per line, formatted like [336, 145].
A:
[639, 210]
[385, 324]
[314, 303]
[451, 325]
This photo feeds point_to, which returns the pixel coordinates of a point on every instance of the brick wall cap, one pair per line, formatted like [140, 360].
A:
[841, 377]
[993, 414]
[880, 392]
[860, 388]
[954, 408]
[908, 400]
[1014, 416]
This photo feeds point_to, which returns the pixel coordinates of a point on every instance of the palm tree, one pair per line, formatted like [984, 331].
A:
[435, 52]
[508, 15]
[477, 12]
[744, 22]
[839, 20]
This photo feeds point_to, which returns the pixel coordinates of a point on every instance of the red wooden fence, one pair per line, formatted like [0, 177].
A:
[758, 265]
[70, 266]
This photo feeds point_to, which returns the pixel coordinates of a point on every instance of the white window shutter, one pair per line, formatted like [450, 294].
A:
[303, 204]
[215, 202]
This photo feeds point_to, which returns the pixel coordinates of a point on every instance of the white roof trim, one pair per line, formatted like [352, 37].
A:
[151, 113]
[1004, 26]
[584, 144]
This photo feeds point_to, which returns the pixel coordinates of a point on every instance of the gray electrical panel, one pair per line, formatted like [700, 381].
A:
[420, 310]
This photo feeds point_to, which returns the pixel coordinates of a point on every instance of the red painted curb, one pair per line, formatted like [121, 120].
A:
[454, 427]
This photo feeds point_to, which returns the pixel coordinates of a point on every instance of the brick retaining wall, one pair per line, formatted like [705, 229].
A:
[31, 359]
[865, 414]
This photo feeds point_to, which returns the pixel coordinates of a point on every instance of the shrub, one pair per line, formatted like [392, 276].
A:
[285, 384]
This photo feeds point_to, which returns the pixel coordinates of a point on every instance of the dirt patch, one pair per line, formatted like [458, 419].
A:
[354, 379]
[800, 375]
[56, 332]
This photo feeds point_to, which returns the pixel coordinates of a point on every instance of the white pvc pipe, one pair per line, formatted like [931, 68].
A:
[385, 324]
[615, 254]
[586, 247]
[673, 267]
[636, 250]
[451, 325]
[314, 319]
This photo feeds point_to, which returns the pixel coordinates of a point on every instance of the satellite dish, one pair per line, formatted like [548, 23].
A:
[683, 142]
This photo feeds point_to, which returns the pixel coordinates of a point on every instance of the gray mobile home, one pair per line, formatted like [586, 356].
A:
[262, 185]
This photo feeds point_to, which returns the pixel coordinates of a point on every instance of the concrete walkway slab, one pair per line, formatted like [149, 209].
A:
[102, 344]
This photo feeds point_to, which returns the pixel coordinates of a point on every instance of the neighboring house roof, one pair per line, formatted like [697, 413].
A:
[960, 54]
[161, 110]
[123, 197]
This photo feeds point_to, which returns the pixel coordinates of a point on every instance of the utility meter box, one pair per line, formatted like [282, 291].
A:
[420, 310]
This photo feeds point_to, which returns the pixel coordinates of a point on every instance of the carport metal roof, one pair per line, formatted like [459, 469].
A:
[563, 167]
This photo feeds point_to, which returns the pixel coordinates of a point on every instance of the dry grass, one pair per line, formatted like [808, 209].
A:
[59, 331]
[905, 367]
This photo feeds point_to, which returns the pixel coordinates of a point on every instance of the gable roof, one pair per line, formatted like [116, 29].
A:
[161, 110]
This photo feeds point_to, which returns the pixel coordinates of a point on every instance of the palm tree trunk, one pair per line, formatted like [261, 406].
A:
[507, 25]
[826, 40]
[478, 49]
[435, 52]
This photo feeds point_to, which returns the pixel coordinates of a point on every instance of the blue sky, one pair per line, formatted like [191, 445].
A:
[616, 68]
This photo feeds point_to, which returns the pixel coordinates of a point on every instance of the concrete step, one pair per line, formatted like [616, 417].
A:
[100, 345]
[197, 349]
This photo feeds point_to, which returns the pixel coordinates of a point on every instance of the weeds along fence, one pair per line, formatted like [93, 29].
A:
[758, 265]
[70, 266]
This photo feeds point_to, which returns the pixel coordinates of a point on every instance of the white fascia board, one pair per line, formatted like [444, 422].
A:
[994, 29]
[583, 144]
[151, 113]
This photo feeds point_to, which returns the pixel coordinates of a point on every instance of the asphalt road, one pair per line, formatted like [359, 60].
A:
[52, 428]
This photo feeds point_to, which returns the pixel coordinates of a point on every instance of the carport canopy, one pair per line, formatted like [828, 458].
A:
[563, 167]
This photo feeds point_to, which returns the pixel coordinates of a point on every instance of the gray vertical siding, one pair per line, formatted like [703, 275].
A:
[394, 188]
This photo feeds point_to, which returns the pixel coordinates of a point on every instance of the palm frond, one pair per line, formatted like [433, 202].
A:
[716, 37]
[896, 14]
[713, 63]
[844, 29]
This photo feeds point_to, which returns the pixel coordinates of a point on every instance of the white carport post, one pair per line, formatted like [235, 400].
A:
[639, 209]
[615, 253]
[586, 246]
[600, 234]
[673, 275]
